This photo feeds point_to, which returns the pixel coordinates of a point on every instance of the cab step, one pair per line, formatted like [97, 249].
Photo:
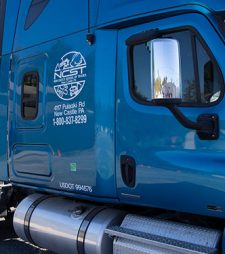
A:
[143, 235]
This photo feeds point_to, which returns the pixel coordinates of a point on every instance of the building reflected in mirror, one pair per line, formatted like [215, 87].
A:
[165, 88]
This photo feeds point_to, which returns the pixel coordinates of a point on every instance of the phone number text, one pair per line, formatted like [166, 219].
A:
[69, 120]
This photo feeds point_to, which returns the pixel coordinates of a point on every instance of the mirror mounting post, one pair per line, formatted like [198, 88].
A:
[207, 125]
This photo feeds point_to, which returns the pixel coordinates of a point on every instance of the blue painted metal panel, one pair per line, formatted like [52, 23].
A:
[56, 20]
[114, 11]
[59, 19]
[4, 77]
[11, 11]
[175, 170]
[77, 100]
[78, 122]
[12, 8]
[105, 73]
[31, 160]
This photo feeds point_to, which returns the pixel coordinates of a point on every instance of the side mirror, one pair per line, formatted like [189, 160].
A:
[166, 87]
[165, 71]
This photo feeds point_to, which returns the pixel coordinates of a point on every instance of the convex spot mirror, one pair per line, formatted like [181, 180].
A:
[165, 71]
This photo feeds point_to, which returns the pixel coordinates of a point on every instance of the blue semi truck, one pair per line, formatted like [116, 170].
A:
[113, 126]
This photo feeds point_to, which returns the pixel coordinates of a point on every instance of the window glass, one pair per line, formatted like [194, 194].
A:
[201, 78]
[189, 92]
[29, 107]
[142, 74]
[209, 76]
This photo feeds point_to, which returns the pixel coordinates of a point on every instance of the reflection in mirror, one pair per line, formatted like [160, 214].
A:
[165, 69]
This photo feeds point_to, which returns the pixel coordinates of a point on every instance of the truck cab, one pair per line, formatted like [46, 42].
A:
[116, 103]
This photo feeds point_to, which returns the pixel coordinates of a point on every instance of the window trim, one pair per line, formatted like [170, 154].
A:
[158, 34]
[195, 67]
[37, 96]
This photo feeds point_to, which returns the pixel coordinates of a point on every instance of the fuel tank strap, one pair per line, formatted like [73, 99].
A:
[83, 228]
[29, 215]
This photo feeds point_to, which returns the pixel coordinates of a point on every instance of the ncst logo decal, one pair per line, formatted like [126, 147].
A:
[70, 76]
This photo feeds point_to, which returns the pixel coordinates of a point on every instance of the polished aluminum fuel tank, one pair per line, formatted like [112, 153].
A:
[65, 226]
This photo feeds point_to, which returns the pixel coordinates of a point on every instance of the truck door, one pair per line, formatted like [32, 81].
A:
[53, 141]
[160, 163]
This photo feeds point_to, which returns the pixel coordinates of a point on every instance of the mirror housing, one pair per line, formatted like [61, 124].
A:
[165, 71]
[166, 89]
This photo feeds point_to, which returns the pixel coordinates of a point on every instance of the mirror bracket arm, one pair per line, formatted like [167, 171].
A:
[207, 125]
[181, 118]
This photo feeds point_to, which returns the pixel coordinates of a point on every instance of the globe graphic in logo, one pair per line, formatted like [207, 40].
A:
[69, 75]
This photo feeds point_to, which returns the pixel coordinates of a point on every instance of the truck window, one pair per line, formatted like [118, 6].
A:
[202, 80]
[30, 87]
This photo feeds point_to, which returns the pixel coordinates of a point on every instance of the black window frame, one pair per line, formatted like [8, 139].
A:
[143, 37]
[22, 95]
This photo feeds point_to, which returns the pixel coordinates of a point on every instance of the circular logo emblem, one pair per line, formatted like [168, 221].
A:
[69, 75]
